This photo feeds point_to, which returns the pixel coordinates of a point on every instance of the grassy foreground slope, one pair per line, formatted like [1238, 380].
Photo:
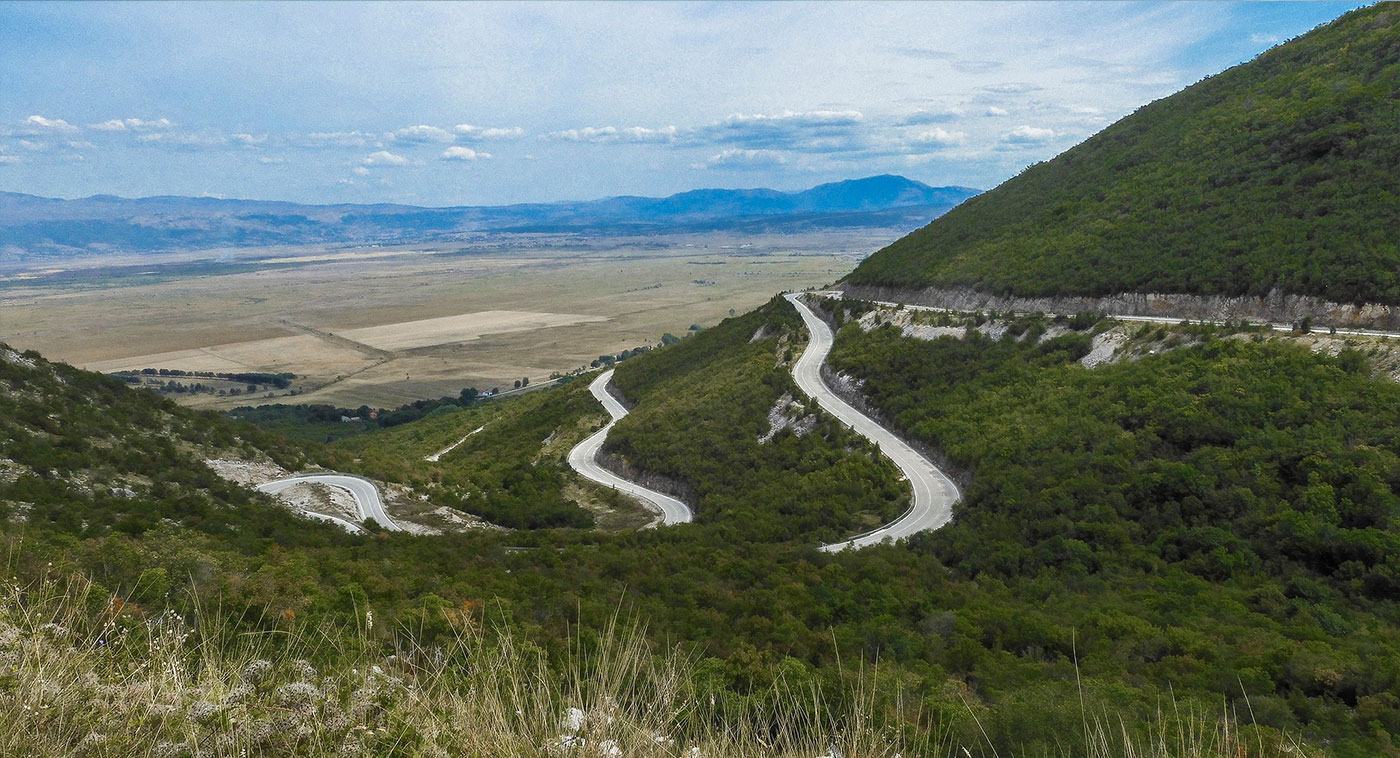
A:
[1276, 174]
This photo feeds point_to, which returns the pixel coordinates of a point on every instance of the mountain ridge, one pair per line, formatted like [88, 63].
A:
[33, 224]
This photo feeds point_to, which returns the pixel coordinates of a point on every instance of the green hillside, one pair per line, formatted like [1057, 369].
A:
[1114, 546]
[1280, 173]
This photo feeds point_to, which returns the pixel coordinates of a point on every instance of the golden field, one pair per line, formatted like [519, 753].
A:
[384, 326]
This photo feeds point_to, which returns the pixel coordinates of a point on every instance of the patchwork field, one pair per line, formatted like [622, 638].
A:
[300, 354]
[460, 328]
[384, 326]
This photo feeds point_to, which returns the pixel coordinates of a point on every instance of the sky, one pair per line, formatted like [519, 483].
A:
[493, 103]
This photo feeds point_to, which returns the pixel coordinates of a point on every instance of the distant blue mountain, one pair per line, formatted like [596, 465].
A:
[37, 226]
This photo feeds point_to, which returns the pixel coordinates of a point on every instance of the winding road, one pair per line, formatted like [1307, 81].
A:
[584, 459]
[365, 492]
[934, 492]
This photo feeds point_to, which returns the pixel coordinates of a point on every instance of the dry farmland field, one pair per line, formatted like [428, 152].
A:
[383, 326]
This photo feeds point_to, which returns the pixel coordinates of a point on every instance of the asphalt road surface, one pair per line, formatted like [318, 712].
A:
[364, 491]
[934, 492]
[584, 459]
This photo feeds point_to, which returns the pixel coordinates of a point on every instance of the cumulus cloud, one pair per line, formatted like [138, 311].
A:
[992, 110]
[478, 133]
[54, 124]
[807, 131]
[422, 133]
[132, 124]
[736, 158]
[1028, 135]
[459, 153]
[360, 171]
[601, 134]
[385, 158]
[939, 136]
[339, 139]
[182, 140]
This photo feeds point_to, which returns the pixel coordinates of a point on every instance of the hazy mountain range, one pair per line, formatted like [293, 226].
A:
[33, 226]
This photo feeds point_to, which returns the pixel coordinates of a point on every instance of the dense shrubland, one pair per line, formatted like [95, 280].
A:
[1230, 503]
[1092, 557]
[719, 386]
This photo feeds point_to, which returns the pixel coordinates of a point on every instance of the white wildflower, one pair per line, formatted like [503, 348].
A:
[304, 670]
[297, 694]
[202, 711]
[256, 671]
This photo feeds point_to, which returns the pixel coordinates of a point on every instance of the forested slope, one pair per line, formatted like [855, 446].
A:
[1169, 536]
[1231, 502]
[1278, 174]
[83, 455]
[702, 419]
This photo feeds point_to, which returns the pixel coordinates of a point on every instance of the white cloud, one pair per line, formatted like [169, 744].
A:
[1026, 135]
[385, 158]
[735, 158]
[360, 171]
[477, 133]
[340, 139]
[78, 144]
[940, 136]
[182, 140]
[992, 110]
[8, 159]
[244, 138]
[132, 124]
[271, 160]
[56, 124]
[600, 134]
[643, 134]
[459, 153]
[806, 118]
[1265, 39]
[422, 133]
